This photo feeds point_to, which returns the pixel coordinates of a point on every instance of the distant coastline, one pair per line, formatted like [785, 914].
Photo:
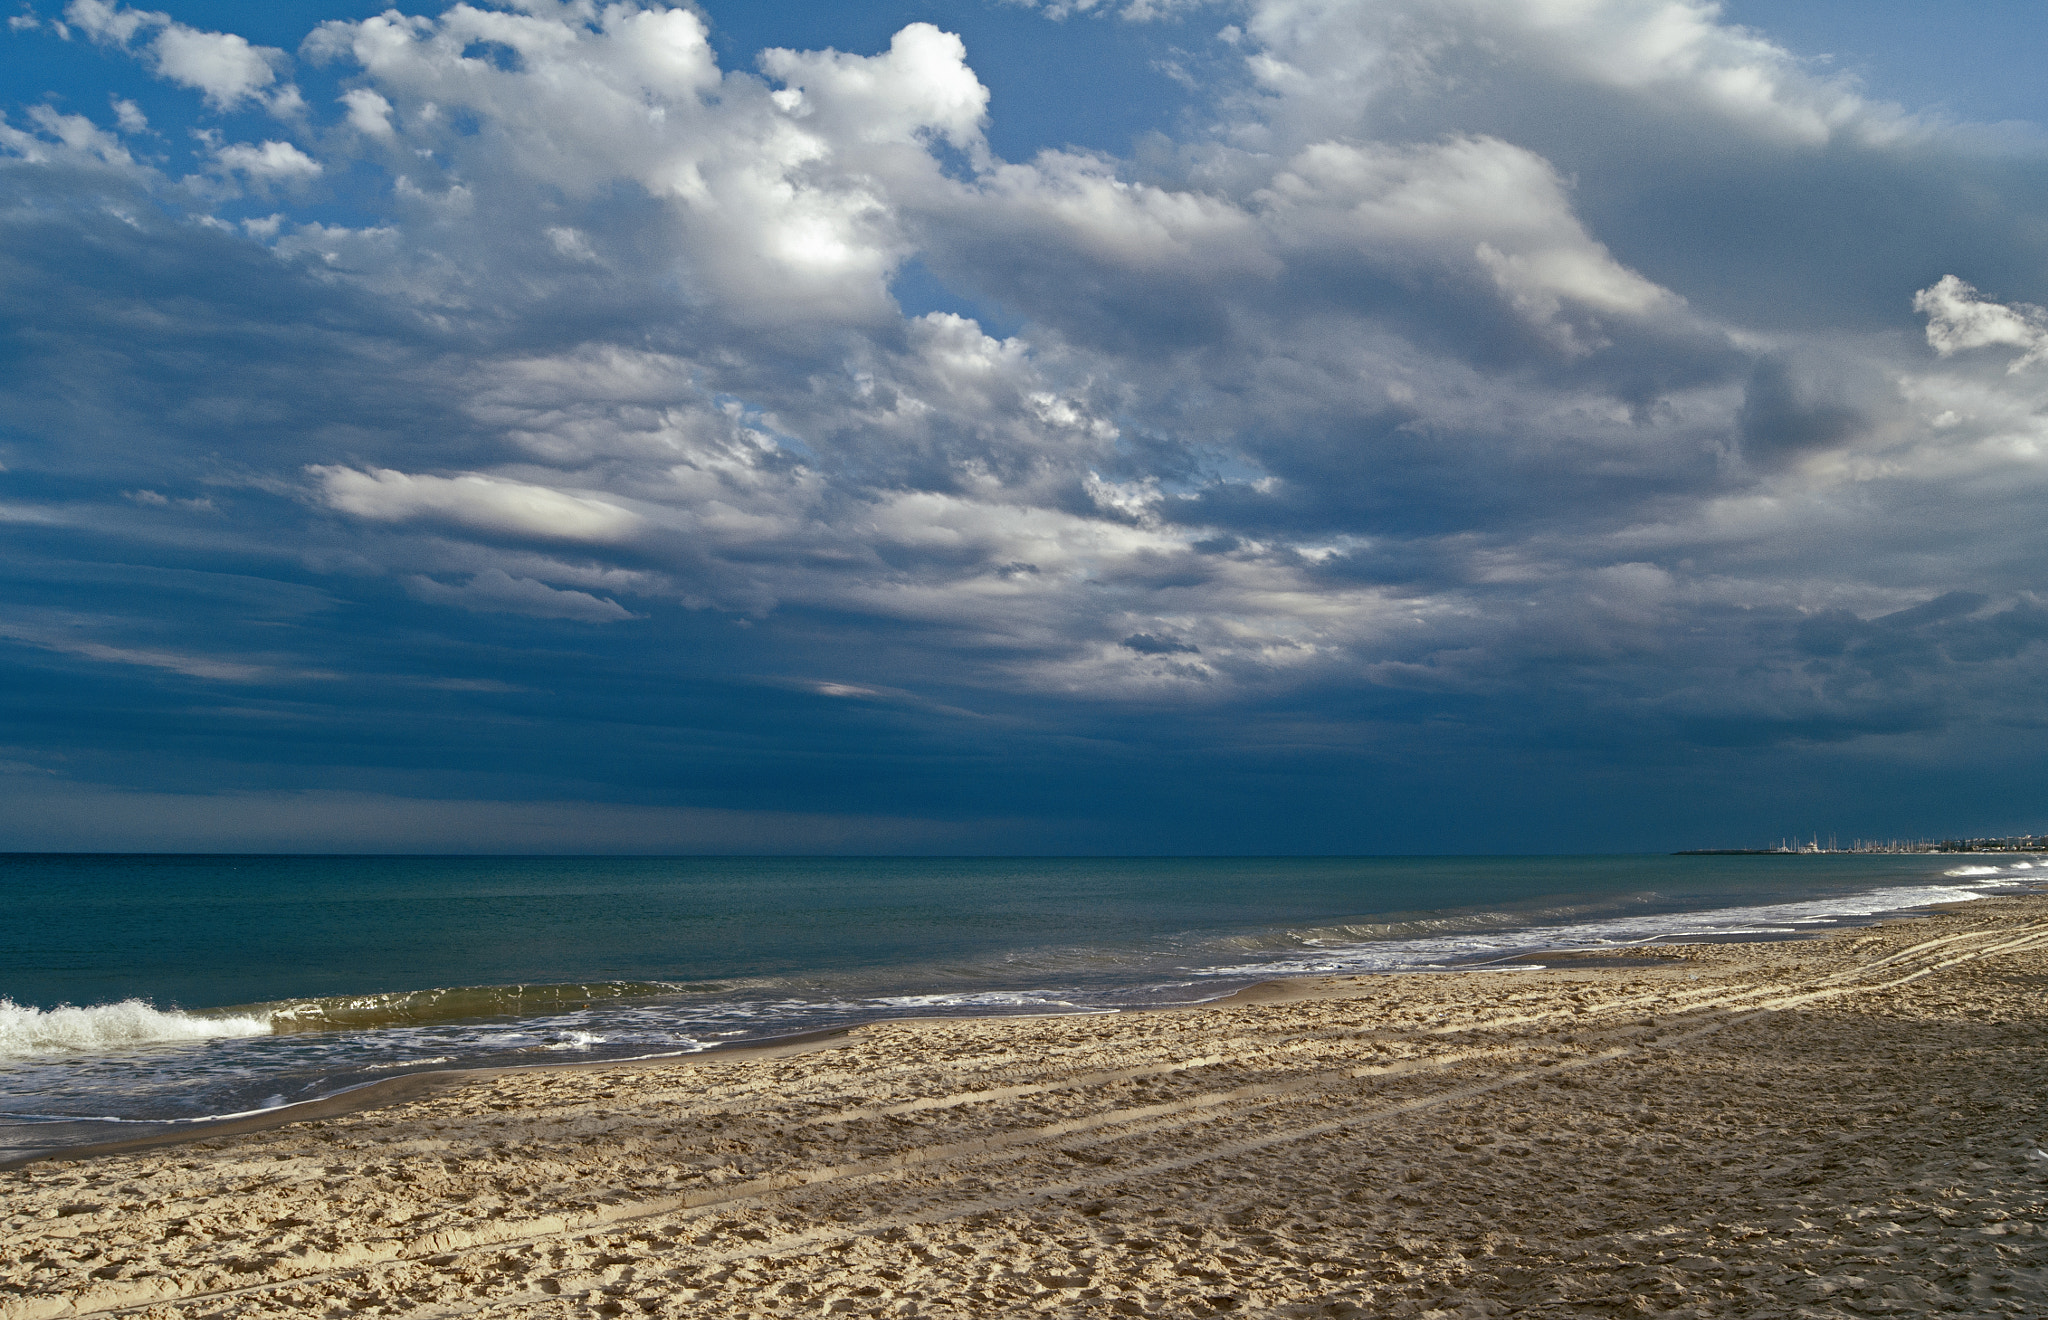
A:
[2014, 843]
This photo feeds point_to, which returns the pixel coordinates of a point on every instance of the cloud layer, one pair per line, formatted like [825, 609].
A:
[1448, 398]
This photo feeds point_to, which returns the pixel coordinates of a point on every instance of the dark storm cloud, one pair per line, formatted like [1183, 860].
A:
[1479, 382]
[1782, 420]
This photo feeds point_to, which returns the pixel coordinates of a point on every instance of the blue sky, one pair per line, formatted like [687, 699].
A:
[1138, 426]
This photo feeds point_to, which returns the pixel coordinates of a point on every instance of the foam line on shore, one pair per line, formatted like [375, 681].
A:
[366, 1093]
[1712, 1135]
[411, 1086]
[399, 1090]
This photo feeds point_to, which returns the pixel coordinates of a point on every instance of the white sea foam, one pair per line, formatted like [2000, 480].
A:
[979, 999]
[576, 1040]
[1454, 950]
[40, 1033]
[1976, 870]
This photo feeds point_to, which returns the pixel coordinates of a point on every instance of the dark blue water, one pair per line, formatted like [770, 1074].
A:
[156, 988]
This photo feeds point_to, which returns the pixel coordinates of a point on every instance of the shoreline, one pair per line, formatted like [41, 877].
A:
[1837, 1126]
[409, 1086]
[405, 1088]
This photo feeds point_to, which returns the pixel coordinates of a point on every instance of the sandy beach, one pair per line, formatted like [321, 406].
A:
[1843, 1127]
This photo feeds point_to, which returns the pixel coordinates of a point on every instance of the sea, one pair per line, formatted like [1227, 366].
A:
[146, 994]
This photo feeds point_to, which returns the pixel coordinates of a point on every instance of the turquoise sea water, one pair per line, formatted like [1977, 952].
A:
[147, 990]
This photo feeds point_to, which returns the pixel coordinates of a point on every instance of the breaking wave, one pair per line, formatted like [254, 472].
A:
[41, 1033]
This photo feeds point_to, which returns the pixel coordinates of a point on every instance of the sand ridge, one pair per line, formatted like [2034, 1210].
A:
[1833, 1128]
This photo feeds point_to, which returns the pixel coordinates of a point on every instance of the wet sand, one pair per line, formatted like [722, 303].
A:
[1846, 1127]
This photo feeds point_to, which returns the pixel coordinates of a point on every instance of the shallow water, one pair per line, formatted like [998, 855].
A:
[201, 986]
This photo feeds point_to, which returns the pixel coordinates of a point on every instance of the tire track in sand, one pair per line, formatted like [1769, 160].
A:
[1700, 1011]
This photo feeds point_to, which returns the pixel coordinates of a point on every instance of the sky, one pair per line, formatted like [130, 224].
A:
[1021, 426]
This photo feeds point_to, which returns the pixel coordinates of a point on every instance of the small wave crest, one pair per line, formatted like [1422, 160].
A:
[1975, 870]
[1422, 926]
[406, 1008]
[1472, 949]
[41, 1033]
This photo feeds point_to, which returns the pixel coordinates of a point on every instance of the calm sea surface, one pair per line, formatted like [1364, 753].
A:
[141, 991]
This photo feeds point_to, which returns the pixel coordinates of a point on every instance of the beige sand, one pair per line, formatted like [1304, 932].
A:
[1847, 1127]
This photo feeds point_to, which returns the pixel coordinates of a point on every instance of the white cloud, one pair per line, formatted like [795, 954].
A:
[484, 503]
[270, 162]
[111, 23]
[920, 85]
[77, 136]
[368, 112]
[285, 102]
[1958, 319]
[777, 205]
[1399, 66]
[129, 115]
[222, 65]
[1474, 204]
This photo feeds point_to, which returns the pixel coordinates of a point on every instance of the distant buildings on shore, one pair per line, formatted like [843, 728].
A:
[2014, 843]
